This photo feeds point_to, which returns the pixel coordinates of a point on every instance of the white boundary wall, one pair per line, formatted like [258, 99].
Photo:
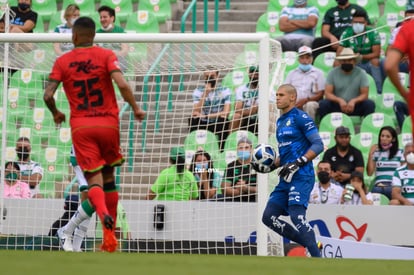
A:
[391, 225]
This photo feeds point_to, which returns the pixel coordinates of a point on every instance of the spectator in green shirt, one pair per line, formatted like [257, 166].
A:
[335, 21]
[175, 183]
[365, 41]
[107, 20]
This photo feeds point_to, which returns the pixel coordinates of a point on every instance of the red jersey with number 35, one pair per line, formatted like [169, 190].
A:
[86, 76]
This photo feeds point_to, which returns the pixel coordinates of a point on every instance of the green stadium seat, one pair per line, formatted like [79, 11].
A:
[384, 103]
[370, 6]
[328, 139]
[291, 59]
[44, 8]
[333, 120]
[233, 139]
[201, 140]
[161, 8]
[385, 37]
[31, 82]
[40, 25]
[380, 199]
[387, 21]
[87, 7]
[269, 22]
[55, 20]
[122, 8]
[322, 5]
[363, 141]
[372, 92]
[40, 120]
[246, 59]
[407, 126]
[325, 61]
[142, 21]
[387, 86]
[405, 138]
[43, 58]
[397, 7]
[278, 5]
[235, 79]
[374, 122]
[17, 104]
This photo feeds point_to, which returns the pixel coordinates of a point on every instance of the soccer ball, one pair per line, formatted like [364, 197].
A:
[263, 158]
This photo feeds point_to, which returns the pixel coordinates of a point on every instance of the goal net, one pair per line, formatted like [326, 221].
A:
[163, 70]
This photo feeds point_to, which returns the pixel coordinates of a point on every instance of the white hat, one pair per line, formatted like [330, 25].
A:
[304, 50]
[347, 53]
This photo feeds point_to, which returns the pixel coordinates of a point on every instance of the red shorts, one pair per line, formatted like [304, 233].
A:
[96, 143]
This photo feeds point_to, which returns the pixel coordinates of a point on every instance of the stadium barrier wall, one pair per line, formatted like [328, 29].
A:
[372, 224]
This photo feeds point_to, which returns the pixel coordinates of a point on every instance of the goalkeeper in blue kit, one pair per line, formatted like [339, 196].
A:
[299, 143]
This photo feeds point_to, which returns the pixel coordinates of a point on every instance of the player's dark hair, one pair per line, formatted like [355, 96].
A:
[84, 23]
[395, 145]
[110, 10]
[15, 165]
[20, 139]
[360, 13]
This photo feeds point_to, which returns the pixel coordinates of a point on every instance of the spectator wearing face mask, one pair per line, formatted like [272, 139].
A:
[246, 107]
[72, 12]
[208, 179]
[239, 182]
[13, 187]
[22, 18]
[325, 191]
[309, 82]
[30, 171]
[403, 180]
[347, 88]
[211, 107]
[366, 42]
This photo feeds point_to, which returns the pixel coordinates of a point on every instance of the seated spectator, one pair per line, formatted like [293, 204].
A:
[309, 82]
[298, 22]
[107, 20]
[343, 157]
[403, 179]
[208, 179]
[347, 88]
[72, 12]
[30, 171]
[175, 183]
[211, 107]
[246, 107]
[366, 42]
[2, 25]
[240, 179]
[326, 191]
[403, 65]
[384, 158]
[22, 18]
[335, 21]
[71, 205]
[360, 195]
[13, 187]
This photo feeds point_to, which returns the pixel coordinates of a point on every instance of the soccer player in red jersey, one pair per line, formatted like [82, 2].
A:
[87, 72]
[403, 44]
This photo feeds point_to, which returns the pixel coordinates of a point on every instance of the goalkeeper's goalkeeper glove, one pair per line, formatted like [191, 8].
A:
[289, 169]
[262, 168]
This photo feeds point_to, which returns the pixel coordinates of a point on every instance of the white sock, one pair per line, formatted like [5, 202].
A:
[76, 220]
[79, 235]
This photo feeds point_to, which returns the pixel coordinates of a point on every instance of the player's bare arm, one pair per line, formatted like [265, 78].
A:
[127, 94]
[50, 90]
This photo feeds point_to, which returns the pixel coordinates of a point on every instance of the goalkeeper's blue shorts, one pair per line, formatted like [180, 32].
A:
[296, 192]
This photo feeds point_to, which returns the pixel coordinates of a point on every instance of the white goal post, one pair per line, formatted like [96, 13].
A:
[163, 70]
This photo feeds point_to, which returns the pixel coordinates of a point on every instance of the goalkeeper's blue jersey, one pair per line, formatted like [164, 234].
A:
[292, 133]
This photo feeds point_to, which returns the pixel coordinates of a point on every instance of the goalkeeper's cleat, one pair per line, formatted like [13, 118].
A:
[320, 246]
[109, 240]
[65, 240]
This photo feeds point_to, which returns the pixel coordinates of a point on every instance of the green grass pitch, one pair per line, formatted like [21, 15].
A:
[41, 262]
